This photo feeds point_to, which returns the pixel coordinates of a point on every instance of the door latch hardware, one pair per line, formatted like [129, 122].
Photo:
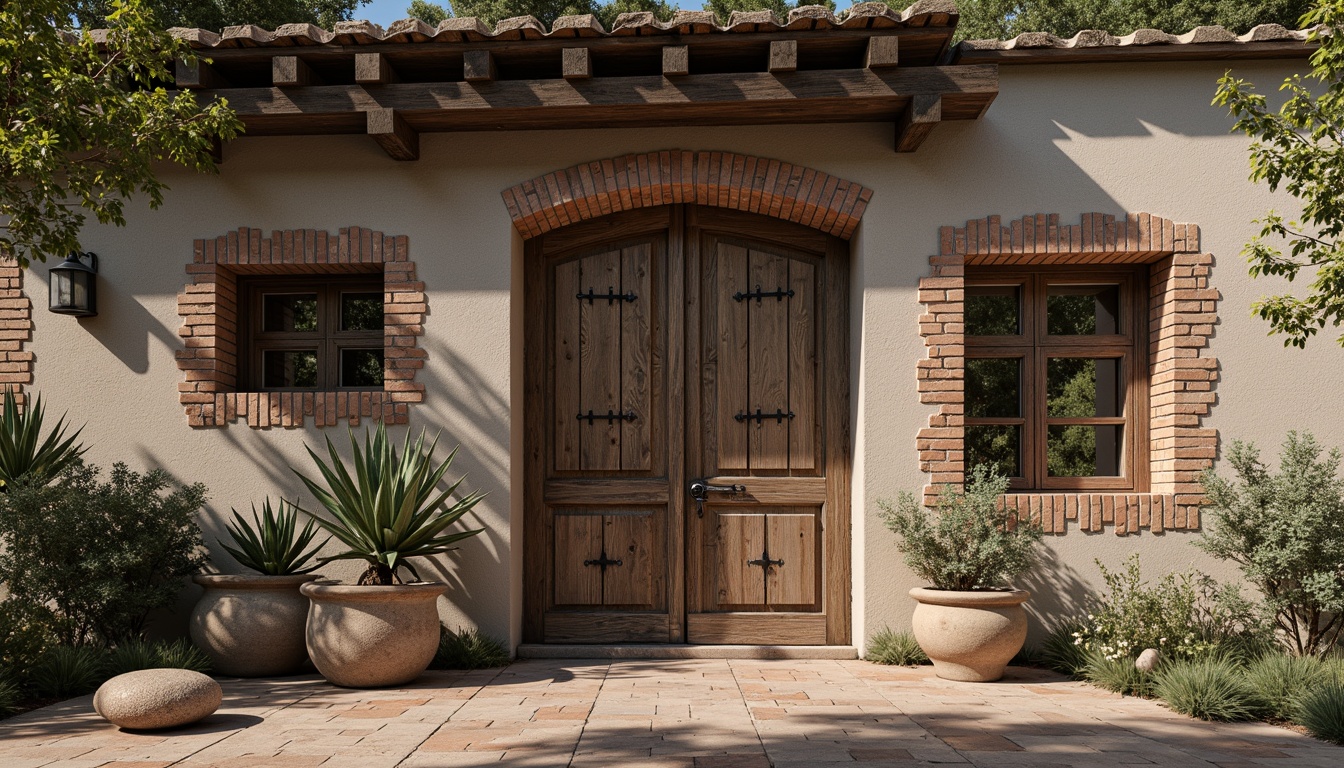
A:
[779, 416]
[765, 561]
[700, 491]
[610, 296]
[610, 416]
[778, 294]
[602, 562]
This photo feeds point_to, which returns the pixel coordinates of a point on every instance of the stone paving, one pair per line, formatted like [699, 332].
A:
[666, 714]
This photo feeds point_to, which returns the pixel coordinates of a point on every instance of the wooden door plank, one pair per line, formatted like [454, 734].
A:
[758, 629]
[637, 358]
[635, 582]
[767, 367]
[605, 627]
[537, 536]
[803, 372]
[600, 334]
[606, 490]
[671, 348]
[568, 377]
[740, 537]
[577, 538]
[793, 539]
[833, 313]
[730, 366]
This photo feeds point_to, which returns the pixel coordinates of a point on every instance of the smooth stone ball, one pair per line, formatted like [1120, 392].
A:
[1147, 660]
[149, 699]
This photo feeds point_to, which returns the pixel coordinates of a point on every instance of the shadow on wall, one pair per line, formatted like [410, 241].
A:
[1058, 593]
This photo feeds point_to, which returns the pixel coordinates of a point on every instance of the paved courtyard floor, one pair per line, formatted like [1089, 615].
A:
[666, 714]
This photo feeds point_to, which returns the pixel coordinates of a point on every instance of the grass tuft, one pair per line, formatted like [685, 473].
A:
[1115, 675]
[468, 649]
[11, 696]
[1060, 650]
[181, 654]
[1281, 680]
[888, 646]
[1321, 711]
[134, 655]
[1209, 688]
[65, 671]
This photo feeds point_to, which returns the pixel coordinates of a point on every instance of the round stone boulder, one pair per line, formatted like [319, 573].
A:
[149, 699]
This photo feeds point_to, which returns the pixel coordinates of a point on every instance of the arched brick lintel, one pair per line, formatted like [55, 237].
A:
[722, 179]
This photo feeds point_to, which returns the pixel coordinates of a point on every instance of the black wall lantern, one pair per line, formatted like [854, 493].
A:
[74, 287]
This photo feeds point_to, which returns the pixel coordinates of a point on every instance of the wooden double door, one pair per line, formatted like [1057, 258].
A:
[686, 410]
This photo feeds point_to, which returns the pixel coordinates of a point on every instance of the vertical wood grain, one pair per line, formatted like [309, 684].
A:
[636, 358]
[767, 367]
[600, 334]
[740, 537]
[730, 368]
[793, 539]
[568, 374]
[577, 538]
[802, 366]
[629, 538]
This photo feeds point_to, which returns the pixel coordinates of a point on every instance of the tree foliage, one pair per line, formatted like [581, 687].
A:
[1286, 531]
[1300, 147]
[1003, 19]
[547, 11]
[217, 14]
[84, 122]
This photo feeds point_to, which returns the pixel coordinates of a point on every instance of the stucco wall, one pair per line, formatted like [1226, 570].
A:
[1057, 140]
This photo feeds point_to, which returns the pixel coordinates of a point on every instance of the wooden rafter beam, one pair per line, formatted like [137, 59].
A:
[478, 66]
[292, 71]
[917, 121]
[783, 56]
[398, 139]
[576, 63]
[374, 69]
[197, 74]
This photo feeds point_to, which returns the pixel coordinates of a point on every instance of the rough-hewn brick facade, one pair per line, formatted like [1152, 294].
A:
[721, 179]
[209, 310]
[1182, 311]
[16, 329]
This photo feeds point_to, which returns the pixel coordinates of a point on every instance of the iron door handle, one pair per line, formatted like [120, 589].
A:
[700, 491]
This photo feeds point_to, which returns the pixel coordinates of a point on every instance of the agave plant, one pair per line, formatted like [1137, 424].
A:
[24, 454]
[270, 544]
[390, 509]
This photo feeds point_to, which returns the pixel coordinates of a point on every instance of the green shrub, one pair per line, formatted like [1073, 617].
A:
[1286, 531]
[969, 541]
[1183, 615]
[133, 655]
[103, 555]
[468, 649]
[26, 632]
[1115, 674]
[1209, 688]
[1062, 651]
[1321, 711]
[66, 671]
[11, 696]
[1281, 680]
[888, 646]
[273, 544]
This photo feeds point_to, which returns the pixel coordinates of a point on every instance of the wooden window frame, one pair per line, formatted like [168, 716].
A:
[1036, 347]
[329, 340]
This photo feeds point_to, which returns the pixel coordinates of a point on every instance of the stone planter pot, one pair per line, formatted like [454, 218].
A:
[372, 636]
[970, 636]
[251, 625]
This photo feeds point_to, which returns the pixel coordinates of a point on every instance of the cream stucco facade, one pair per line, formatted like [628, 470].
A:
[1063, 139]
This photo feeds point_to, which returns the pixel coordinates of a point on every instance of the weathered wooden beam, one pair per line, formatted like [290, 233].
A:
[740, 98]
[478, 66]
[374, 69]
[577, 63]
[917, 121]
[783, 56]
[292, 71]
[197, 74]
[398, 139]
[881, 52]
[676, 60]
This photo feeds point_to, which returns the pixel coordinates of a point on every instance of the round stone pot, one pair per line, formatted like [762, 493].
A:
[970, 636]
[251, 625]
[372, 636]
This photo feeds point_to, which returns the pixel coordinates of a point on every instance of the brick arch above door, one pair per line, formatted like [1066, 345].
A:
[760, 185]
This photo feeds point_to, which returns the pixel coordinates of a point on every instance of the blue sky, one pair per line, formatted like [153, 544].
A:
[385, 12]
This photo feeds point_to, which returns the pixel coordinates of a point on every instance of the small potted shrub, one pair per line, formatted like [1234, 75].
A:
[252, 625]
[382, 631]
[967, 621]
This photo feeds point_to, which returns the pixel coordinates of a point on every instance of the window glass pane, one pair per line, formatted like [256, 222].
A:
[361, 311]
[361, 367]
[992, 387]
[997, 445]
[993, 310]
[289, 312]
[1082, 451]
[289, 368]
[1083, 310]
[1080, 387]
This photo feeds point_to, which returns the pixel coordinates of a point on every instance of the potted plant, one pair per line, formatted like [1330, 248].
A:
[252, 625]
[967, 621]
[382, 631]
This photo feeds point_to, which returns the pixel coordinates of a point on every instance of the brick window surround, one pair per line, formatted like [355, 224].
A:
[209, 309]
[721, 179]
[16, 329]
[1182, 312]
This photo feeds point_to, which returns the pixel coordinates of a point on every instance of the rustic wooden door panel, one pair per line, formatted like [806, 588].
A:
[740, 538]
[792, 538]
[599, 361]
[638, 579]
[636, 358]
[804, 426]
[767, 362]
[566, 389]
[578, 538]
[728, 326]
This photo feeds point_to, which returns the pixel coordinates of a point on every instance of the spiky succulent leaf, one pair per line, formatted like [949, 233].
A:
[24, 453]
[270, 544]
